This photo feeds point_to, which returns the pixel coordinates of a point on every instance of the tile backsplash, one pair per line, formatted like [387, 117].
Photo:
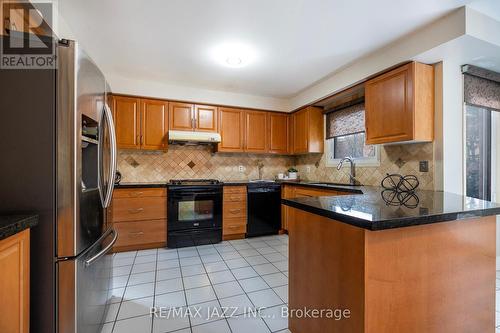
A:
[200, 162]
[401, 159]
[197, 162]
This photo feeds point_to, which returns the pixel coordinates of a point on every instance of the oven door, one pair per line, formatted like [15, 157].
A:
[194, 208]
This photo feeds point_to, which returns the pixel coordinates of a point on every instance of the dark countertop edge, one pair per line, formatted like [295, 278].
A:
[141, 185]
[393, 222]
[342, 188]
[19, 223]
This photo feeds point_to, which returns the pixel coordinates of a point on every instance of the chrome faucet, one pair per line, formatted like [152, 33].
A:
[352, 176]
[261, 166]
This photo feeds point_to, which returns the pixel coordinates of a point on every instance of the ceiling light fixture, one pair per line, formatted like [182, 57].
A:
[233, 55]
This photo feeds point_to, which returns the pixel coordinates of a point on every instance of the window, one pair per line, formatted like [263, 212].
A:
[352, 145]
[482, 115]
[478, 152]
[346, 137]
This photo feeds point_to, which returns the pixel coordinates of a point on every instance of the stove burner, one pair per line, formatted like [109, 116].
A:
[194, 182]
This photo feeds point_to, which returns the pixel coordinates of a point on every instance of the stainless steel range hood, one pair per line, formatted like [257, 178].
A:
[193, 137]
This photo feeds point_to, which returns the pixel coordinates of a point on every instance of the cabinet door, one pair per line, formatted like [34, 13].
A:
[181, 116]
[154, 121]
[127, 122]
[388, 104]
[231, 125]
[300, 132]
[256, 132]
[206, 118]
[14, 283]
[278, 133]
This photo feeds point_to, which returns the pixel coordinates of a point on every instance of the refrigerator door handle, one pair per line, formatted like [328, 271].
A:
[113, 152]
[106, 249]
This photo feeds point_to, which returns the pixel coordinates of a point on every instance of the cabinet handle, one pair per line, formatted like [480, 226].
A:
[136, 233]
[138, 139]
[142, 139]
[135, 211]
[136, 194]
[234, 211]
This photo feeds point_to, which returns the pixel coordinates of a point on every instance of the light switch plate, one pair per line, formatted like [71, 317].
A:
[241, 168]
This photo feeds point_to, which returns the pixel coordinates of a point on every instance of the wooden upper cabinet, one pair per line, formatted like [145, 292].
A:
[191, 117]
[278, 129]
[206, 118]
[256, 132]
[127, 122]
[181, 116]
[154, 124]
[232, 127]
[308, 131]
[399, 105]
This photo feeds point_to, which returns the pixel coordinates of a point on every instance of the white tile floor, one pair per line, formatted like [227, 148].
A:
[236, 276]
[239, 275]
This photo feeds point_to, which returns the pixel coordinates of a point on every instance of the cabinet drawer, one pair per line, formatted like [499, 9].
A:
[139, 192]
[309, 192]
[141, 232]
[235, 197]
[235, 189]
[234, 209]
[234, 226]
[137, 209]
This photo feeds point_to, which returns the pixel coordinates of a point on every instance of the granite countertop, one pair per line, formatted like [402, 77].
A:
[338, 187]
[13, 224]
[142, 185]
[243, 182]
[369, 210]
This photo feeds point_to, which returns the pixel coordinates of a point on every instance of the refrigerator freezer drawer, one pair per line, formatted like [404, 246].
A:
[84, 288]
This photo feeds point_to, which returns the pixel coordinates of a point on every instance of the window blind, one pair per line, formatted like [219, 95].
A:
[346, 121]
[481, 87]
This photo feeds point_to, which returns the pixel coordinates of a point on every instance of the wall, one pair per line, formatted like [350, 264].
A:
[196, 162]
[401, 159]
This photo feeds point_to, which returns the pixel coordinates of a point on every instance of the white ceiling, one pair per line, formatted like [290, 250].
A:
[297, 42]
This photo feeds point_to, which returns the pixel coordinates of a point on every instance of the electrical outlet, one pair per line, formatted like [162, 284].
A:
[308, 169]
[424, 166]
[241, 168]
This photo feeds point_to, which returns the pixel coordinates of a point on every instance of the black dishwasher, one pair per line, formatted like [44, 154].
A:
[264, 209]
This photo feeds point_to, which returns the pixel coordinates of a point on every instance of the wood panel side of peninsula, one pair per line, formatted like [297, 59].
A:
[429, 278]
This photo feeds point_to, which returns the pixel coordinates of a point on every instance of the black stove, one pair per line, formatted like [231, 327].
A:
[194, 212]
[195, 182]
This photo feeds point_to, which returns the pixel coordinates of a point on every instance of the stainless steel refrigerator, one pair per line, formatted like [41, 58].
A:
[58, 152]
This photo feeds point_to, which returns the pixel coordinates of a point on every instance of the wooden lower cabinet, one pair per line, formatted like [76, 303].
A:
[297, 191]
[234, 212]
[15, 283]
[141, 233]
[139, 216]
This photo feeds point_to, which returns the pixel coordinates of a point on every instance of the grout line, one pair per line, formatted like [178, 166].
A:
[124, 291]
[212, 285]
[184, 288]
[154, 290]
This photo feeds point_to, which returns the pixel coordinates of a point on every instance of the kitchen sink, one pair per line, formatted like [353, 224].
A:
[261, 181]
[334, 184]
